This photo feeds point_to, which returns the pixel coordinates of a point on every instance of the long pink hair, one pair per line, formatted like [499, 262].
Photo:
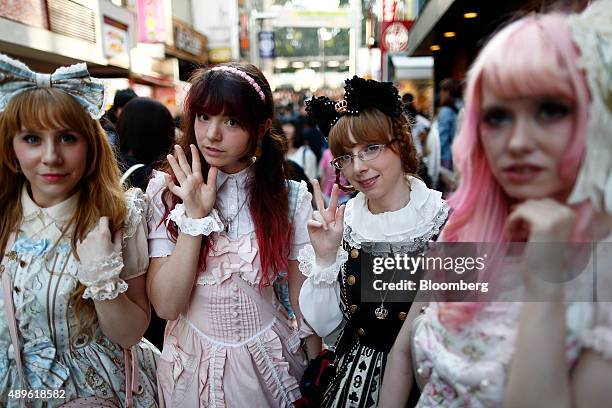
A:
[531, 57]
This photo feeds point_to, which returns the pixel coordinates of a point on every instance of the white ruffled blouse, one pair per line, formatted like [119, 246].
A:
[400, 230]
[230, 204]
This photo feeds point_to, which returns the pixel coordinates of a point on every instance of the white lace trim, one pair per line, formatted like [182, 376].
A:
[599, 339]
[302, 192]
[221, 344]
[101, 277]
[309, 268]
[401, 243]
[136, 204]
[275, 374]
[99, 271]
[14, 62]
[106, 291]
[200, 226]
[417, 221]
[70, 69]
[207, 278]
[213, 379]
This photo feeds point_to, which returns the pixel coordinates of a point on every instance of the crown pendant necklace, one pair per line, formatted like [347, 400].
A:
[381, 312]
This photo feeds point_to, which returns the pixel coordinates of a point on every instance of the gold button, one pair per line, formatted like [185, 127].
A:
[12, 256]
[354, 253]
[361, 332]
[1, 269]
[351, 280]
[402, 315]
[353, 308]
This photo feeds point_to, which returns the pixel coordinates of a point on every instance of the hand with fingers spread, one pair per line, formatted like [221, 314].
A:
[198, 197]
[327, 226]
[101, 263]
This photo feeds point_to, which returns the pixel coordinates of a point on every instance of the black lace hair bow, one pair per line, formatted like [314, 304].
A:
[359, 94]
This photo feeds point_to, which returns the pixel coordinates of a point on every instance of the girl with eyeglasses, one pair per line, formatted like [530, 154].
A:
[394, 213]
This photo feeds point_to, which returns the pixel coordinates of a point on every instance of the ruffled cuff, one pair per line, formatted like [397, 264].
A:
[101, 279]
[599, 339]
[196, 226]
[95, 272]
[309, 267]
[105, 291]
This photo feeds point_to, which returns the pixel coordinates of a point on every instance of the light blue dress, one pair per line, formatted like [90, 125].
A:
[55, 356]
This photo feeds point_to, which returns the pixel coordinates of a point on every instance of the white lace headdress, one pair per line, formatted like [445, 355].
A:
[592, 33]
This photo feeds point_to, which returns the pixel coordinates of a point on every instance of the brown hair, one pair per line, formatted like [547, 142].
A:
[369, 127]
[100, 191]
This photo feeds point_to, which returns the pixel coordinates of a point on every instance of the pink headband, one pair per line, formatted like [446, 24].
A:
[244, 75]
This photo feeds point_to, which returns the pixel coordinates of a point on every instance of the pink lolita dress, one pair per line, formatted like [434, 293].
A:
[469, 367]
[229, 349]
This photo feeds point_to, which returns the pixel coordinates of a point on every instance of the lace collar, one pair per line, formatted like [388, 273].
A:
[60, 213]
[415, 223]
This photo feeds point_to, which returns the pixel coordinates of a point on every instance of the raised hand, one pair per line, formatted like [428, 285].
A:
[99, 243]
[198, 197]
[100, 258]
[327, 225]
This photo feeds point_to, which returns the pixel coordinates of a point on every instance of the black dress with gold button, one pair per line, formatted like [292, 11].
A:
[365, 341]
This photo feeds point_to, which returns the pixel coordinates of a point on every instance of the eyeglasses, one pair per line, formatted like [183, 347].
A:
[369, 153]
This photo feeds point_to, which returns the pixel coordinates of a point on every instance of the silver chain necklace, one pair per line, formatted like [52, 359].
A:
[381, 312]
[227, 222]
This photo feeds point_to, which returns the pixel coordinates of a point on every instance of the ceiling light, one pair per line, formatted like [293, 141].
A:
[470, 14]
[450, 34]
[434, 47]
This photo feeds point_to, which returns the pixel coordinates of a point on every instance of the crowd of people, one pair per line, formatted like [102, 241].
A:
[144, 266]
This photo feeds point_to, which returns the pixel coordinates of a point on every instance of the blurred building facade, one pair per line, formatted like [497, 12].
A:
[148, 45]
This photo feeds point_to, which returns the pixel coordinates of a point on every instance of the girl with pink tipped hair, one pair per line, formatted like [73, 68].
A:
[535, 157]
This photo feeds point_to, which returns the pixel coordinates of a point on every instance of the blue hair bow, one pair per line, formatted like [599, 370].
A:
[16, 77]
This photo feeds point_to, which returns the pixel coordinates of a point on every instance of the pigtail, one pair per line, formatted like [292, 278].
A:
[268, 191]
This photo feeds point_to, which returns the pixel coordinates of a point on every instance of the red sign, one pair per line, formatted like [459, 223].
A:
[394, 36]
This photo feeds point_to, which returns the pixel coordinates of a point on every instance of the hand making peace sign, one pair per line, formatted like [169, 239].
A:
[327, 225]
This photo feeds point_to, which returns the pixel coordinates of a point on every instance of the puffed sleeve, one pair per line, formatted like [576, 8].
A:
[320, 293]
[135, 251]
[160, 244]
[302, 214]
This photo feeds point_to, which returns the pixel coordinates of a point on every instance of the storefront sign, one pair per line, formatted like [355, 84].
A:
[266, 44]
[394, 36]
[115, 38]
[151, 21]
[187, 40]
